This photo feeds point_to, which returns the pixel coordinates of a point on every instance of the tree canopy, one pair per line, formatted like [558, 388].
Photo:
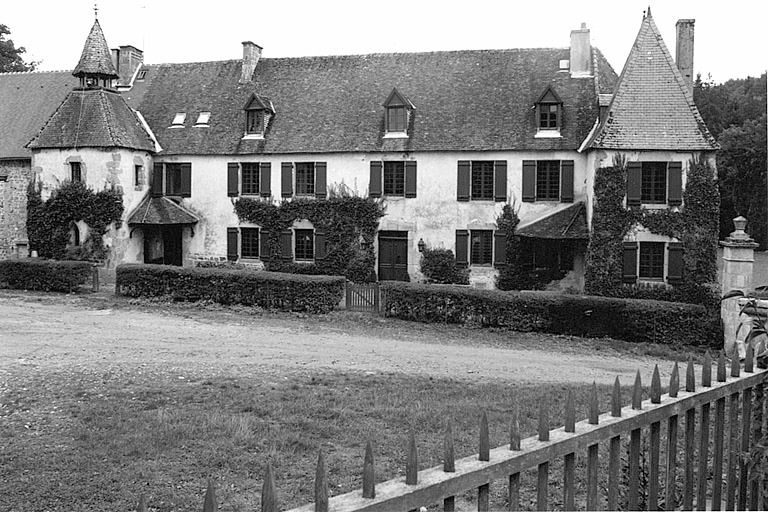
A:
[11, 56]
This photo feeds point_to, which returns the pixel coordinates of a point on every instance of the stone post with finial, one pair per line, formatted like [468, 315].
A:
[738, 260]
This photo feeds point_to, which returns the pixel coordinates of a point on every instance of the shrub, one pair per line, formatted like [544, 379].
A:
[439, 266]
[626, 319]
[44, 275]
[272, 290]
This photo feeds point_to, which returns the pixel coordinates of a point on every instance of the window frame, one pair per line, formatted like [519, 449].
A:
[485, 237]
[175, 168]
[308, 177]
[178, 119]
[255, 127]
[395, 182]
[76, 172]
[138, 174]
[553, 167]
[650, 173]
[655, 269]
[242, 239]
[307, 252]
[250, 168]
[397, 116]
[483, 169]
[540, 110]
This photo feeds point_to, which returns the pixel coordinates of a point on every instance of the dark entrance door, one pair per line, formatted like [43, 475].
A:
[393, 256]
[172, 245]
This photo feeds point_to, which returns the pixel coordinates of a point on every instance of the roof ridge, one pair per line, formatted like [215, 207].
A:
[35, 72]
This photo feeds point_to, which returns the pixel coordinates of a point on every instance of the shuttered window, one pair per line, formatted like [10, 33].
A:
[394, 178]
[249, 242]
[250, 178]
[653, 183]
[173, 179]
[548, 180]
[651, 260]
[482, 180]
[304, 246]
[305, 178]
[481, 247]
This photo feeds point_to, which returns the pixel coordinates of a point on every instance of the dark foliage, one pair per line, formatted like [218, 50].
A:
[439, 267]
[625, 319]
[271, 290]
[11, 55]
[349, 223]
[513, 275]
[44, 275]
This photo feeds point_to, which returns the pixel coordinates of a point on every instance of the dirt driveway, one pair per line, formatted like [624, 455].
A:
[47, 332]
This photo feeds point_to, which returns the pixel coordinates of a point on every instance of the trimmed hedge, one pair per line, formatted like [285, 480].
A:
[271, 290]
[631, 320]
[44, 275]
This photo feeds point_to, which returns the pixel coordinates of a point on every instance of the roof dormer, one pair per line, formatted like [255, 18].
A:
[549, 114]
[398, 110]
[258, 112]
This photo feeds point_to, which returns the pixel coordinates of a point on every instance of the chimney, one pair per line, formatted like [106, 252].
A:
[116, 58]
[581, 53]
[126, 59]
[251, 55]
[684, 51]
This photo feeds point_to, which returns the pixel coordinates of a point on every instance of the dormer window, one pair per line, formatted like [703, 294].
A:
[398, 111]
[203, 118]
[178, 119]
[254, 122]
[549, 117]
[258, 111]
[142, 75]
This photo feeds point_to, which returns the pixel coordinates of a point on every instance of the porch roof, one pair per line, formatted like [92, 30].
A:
[161, 211]
[567, 224]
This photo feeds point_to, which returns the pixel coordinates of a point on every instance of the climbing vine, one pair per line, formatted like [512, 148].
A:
[696, 226]
[49, 222]
[348, 222]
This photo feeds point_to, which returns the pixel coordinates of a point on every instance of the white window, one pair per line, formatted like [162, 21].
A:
[202, 119]
[178, 119]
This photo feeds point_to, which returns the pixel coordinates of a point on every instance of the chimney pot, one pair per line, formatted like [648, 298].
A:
[581, 53]
[251, 56]
[684, 51]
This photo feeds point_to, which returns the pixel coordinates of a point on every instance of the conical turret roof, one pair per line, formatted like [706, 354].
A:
[96, 58]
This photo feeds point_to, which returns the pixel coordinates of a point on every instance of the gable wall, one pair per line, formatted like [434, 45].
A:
[13, 208]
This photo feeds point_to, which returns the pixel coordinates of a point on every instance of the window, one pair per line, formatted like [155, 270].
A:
[142, 75]
[76, 173]
[249, 243]
[396, 119]
[549, 116]
[250, 179]
[304, 248]
[203, 118]
[394, 178]
[178, 119]
[397, 108]
[254, 122]
[482, 180]
[653, 182]
[305, 178]
[651, 260]
[173, 179]
[481, 247]
[138, 175]
[548, 180]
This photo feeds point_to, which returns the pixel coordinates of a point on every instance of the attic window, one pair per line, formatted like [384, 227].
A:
[178, 119]
[257, 112]
[254, 122]
[397, 114]
[549, 114]
[202, 119]
[142, 75]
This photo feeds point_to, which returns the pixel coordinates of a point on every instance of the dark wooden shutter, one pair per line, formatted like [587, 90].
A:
[157, 179]
[233, 179]
[462, 247]
[464, 176]
[675, 183]
[410, 179]
[286, 244]
[321, 180]
[286, 179]
[566, 181]
[186, 180]
[529, 181]
[500, 180]
[675, 263]
[634, 182]
[499, 248]
[630, 262]
[265, 179]
[264, 251]
[232, 242]
[374, 185]
[320, 250]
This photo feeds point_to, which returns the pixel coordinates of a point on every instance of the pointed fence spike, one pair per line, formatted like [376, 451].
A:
[735, 365]
[706, 371]
[637, 393]
[749, 359]
[449, 457]
[616, 399]
[412, 463]
[721, 368]
[142, 506]
[321, 484]
[656, 386]
[514, 428]
[570, 413]
[369, 484]
[543, 420]
[269, 492]
[690, 377]
[674, 381]
[594, 408]
[485, 444]
[209, 504]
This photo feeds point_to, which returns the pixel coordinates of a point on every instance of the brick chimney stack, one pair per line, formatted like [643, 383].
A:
[581, 52]
[684, 51]
[127, 59]
[251, 55]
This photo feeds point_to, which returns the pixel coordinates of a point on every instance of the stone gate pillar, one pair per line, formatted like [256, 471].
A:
[738, 260]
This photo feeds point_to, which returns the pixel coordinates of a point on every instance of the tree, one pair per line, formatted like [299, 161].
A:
[10, 55]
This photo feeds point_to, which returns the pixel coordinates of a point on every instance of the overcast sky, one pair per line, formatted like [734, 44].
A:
[730, 38]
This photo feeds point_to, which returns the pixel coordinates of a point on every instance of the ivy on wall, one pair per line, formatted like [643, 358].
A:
[696, 226]
[49, 222]
[349, 222]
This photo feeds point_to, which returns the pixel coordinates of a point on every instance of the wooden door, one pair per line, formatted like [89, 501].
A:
[172, 245]
[393, 256]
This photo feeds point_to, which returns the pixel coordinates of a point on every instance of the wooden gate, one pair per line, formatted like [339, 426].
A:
[363, 297]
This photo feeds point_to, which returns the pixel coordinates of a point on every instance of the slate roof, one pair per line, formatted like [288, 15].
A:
[161, 210]
[464, 101]
[570, 224]
[93, 118]
[652, 107]
[96, 57]
[26, 102]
